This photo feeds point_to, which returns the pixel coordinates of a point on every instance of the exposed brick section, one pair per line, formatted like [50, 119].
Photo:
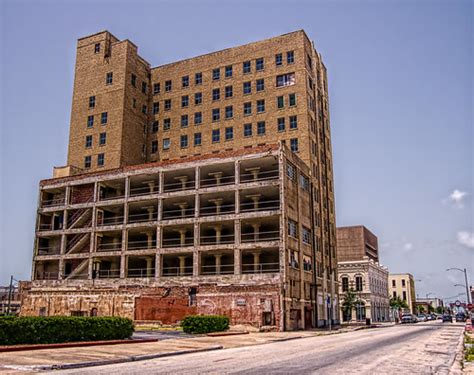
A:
[82, 194]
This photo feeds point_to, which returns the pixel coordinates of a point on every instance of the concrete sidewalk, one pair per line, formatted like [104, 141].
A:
[49, 359]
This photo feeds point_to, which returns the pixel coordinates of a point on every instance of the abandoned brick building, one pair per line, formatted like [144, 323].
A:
[202, 186]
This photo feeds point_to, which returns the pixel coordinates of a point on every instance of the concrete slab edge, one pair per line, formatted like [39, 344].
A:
[122, 360]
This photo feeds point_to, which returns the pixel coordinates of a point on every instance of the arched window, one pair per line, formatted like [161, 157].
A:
[94, 311]
[358, 281]
[345, 284]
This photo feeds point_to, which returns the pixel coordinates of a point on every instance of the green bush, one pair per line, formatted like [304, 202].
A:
[205, 323]
[58, 329]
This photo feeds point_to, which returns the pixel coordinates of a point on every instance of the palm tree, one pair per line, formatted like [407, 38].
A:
[348, 303]
[397, 304]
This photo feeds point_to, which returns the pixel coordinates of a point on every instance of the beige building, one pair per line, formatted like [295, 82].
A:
[163, 159]
[403, 285]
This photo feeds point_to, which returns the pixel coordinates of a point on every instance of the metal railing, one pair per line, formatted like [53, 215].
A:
[110, 220]
[80, 276]
[212, 210]
[141, 272]
[261, 206]
[262, 176]
[223, 269]
[212, 240]
[176, 186]
[176, 242]
[47, 275]
[260, 236]
[78, 215]
[51, 250]
[75, 240]
[141, 245]
[143, 190]
[109, 247]
[108, 274]
[56, 201]
[177, 271]
[260, 267]
[109, 196]
[210, 182]
[46, 227]
[178, 214]
[142, 217]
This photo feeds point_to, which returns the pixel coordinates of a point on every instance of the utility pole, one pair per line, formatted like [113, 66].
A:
[10, 295]
[465, 280]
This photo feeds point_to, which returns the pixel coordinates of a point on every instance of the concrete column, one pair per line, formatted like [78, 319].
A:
[127, 187]
[237, 172]
[182, 206]
[182, 237]
[61, 269]
[149, 266]
[196, 262]
[237, 232]
[115, 242]
[123, 266]
[150, 210]
[158, 266]
[182, 264]
[149, 240]
[39, 270]
[254, 172]
[161, 182]
[218, 259]
[237, 201]
[151, 186]
[256, 231]
[218, 229]
[197, 235]
[197, 177]
[255, 199]
[217, 176]
[183, 180]
[159, 245]
[197, 207]
[218, 203]
[256, 261]
[237, 262]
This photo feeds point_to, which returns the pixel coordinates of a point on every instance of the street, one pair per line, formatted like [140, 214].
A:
[413, 348]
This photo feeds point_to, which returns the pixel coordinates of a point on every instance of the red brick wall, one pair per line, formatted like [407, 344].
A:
[82, 194]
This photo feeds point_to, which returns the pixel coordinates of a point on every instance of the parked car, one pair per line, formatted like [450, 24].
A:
[447, 318]
[409, 318]
[422, 317]
[460, 317]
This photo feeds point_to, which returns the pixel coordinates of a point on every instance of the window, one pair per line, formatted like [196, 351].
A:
[144, 87]
[285, 80]
[197, 118]
[290, 57]
[229, 112]
[144, 109]
[278, 59]
[154, 127]
[100, 160]
[156, 107]
[216, 74]
[197, 139]
[247, 88]
[168, 85]
[259, 64]
[309, 61]
[184, 121]
[167, 104]
[229, 133]
[247, 130]
[166, 124]
[304, 182]
[183, 141]
[292, 99]
[293, 122]
[198, 78]
[216, 135]
[103, 118]
[281, 124]
[90, 121]
[294, 260]
[97, 48]
[248, 108]
[91, 101]
[216, 94]
[246, 67]
[290, 171]
[133, 80]
[88, 141]
[306, 235]
[228, 71]
[216, 114]
[228, 92]
[294, 144]
[261, 127]
[134, 103]
[292, 229]
[87, 161]
[394, 283]
[197, 98]
[156, 88]
[345, 284]
[280, 101]
[102, 139]
[154, 147]
[185, 81]
[403, 283]
[166, 144]
[358, 281]
[109, 77]
[260, 85]
[184, 101]
[394, 294]
[404, 295]
[260, 105]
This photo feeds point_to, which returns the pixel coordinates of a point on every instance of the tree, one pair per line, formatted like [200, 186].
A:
[397, 303]
[421, 309]
[439, 310]
[348, 303]
[430, 309]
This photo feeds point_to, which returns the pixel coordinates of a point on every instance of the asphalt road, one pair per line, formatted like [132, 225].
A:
[422, 348]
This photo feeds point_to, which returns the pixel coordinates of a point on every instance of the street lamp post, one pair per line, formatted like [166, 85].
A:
[465, 279]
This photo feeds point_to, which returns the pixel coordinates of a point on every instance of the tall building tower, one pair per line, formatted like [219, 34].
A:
[141, 137]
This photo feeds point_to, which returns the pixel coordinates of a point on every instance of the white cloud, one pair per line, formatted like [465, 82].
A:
[466, 239]
[456, 198]
[408, 246]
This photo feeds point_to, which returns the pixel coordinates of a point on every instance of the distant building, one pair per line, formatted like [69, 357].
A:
[403, 285]
[359, 270]
[433, 302]
[14, 305]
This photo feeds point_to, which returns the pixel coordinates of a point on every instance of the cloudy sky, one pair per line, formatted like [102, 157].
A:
[400, 80]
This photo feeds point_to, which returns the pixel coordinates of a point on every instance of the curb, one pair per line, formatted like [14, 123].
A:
[117, 360]
[19, 348]
[218, 334]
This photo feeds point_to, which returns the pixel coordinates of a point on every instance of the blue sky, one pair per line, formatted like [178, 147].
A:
[400, 81]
